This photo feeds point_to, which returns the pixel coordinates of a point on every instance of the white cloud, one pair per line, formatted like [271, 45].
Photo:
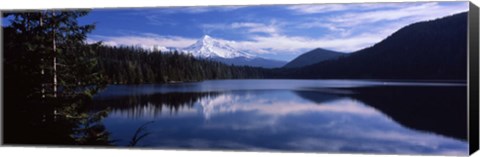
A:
[288, 44]
[423, 11]
[276, 42]
[257, 27]
[159, 20]
[270, 44]
[310, 9]
[251, 27]
[347, 31]
[146, 39]
[229, 103]
[352, 31]
[335, 30]
[155, 16]
[328, 8]
[198, 9]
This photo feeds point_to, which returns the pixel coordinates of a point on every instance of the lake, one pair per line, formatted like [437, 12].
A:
[364, 116]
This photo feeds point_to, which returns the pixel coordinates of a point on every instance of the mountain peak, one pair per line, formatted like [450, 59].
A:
[208, 47]
[222, 51]
[206, 37]
[206, 40]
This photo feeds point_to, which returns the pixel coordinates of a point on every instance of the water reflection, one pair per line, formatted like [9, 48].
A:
[151, 106]
[292, 120]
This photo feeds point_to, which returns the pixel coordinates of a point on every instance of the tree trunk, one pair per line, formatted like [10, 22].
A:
[54, 61]
[42, 71]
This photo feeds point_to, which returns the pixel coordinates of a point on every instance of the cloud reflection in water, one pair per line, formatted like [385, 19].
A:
[281, 120]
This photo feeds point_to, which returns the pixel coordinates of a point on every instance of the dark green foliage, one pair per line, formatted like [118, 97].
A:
[41, 47]
[132, 65]
[90, 131]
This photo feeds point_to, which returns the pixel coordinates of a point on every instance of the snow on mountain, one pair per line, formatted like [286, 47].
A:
[221, 51]
[208, 47]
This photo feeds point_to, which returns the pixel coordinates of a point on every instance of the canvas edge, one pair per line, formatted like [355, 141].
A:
[473, 78]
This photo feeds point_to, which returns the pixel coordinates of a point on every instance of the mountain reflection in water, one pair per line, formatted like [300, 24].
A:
[301, 119]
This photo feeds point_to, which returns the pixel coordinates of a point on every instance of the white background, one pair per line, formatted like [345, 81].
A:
[83, 152]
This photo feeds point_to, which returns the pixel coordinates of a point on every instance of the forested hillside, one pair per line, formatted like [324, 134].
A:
[435, 49]
[312, 57]
[127, 65]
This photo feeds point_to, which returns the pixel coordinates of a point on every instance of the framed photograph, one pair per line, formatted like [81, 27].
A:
[356, 78]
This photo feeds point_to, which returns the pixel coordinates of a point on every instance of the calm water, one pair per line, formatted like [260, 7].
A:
[291, 115]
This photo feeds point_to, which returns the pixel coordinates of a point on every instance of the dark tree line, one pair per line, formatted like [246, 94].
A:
[133, 65]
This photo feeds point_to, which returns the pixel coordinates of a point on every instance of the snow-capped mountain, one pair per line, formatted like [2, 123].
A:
[208, 47]
[222, 51]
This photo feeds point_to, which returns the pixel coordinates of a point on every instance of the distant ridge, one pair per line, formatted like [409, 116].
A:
[314, 56]
[435, 49]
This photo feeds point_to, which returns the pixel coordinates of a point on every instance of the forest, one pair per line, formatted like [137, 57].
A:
[51, 74]
[134, 65]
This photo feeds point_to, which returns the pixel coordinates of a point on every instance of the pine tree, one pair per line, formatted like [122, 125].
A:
[48, 49]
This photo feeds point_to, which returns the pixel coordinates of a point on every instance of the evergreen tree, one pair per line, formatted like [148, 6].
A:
[47, 50]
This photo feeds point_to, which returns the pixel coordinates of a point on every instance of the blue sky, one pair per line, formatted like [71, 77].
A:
[272, 31]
